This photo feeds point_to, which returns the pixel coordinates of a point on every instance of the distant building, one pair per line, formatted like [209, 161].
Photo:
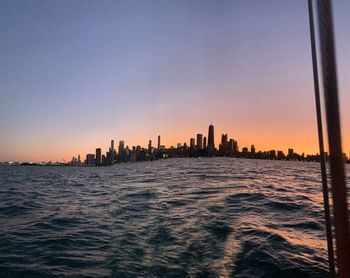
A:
[205, 143]
[90, 160]
[272, 154]
[98, 158]
[149, 146]
[230, 147]
[74, 160]
[280, 155]
[121, 151]
[244, 151]
[344, 157]
[158, 142]
[192, 143]
[211, 144]
[127, 154]
[199, 141]
[252, 149]
[235, 146]
[111, 152]
[223, 144]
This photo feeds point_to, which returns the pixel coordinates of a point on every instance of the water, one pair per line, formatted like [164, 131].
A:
[219, 217]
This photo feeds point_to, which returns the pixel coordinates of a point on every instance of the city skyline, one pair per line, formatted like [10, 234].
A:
[200, 145]
[77, 73]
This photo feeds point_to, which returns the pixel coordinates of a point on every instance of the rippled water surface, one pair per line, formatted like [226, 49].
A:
[219, 217]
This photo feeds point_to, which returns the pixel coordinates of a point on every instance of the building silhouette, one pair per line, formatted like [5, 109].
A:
[290, 155]
[90, 159]
[121, 151]
[192, 143]
[244, 152]
[211, 145]
[111, 152]
[158, 146]
[252, 149]
[149, 146]
[98, 158]
[223, 147]
[199, 141]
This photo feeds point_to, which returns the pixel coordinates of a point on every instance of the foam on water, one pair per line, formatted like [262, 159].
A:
[219, 217]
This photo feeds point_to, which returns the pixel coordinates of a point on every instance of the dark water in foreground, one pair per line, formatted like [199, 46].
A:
[218, 217]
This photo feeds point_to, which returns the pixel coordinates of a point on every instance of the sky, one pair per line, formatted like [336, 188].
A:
[76, 74]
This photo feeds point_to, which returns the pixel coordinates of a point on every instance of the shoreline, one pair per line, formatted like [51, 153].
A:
[108, 165]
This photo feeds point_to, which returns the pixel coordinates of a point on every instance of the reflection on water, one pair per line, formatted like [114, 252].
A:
[219, 217]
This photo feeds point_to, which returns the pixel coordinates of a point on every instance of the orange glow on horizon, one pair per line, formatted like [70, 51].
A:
[307, 144]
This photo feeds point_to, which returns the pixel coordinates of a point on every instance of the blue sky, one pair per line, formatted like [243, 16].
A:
[75, 74]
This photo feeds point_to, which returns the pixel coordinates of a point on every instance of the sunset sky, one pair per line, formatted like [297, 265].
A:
[75, 74]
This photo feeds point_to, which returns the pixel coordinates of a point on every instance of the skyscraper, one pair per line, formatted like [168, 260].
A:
[224, 144]
[121, 151]
[90, 159]
[211, 145]
[111, 151]
[199, 141]
[149, 146]
[205, 143]
[230, 147]
[158, 142]
[98, 158]
[192, 143]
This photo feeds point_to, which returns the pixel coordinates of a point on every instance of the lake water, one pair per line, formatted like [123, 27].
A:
[219, 217]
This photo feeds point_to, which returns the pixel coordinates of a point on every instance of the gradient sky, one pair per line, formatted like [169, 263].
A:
[75, 74]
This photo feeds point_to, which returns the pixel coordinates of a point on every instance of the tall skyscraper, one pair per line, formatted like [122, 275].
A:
[211, 145]
[252, 149]
[121, 150]
[111, 151]
[158, 142]
[199, 141]
[98, 157]
[211, 137]
[205, 143]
